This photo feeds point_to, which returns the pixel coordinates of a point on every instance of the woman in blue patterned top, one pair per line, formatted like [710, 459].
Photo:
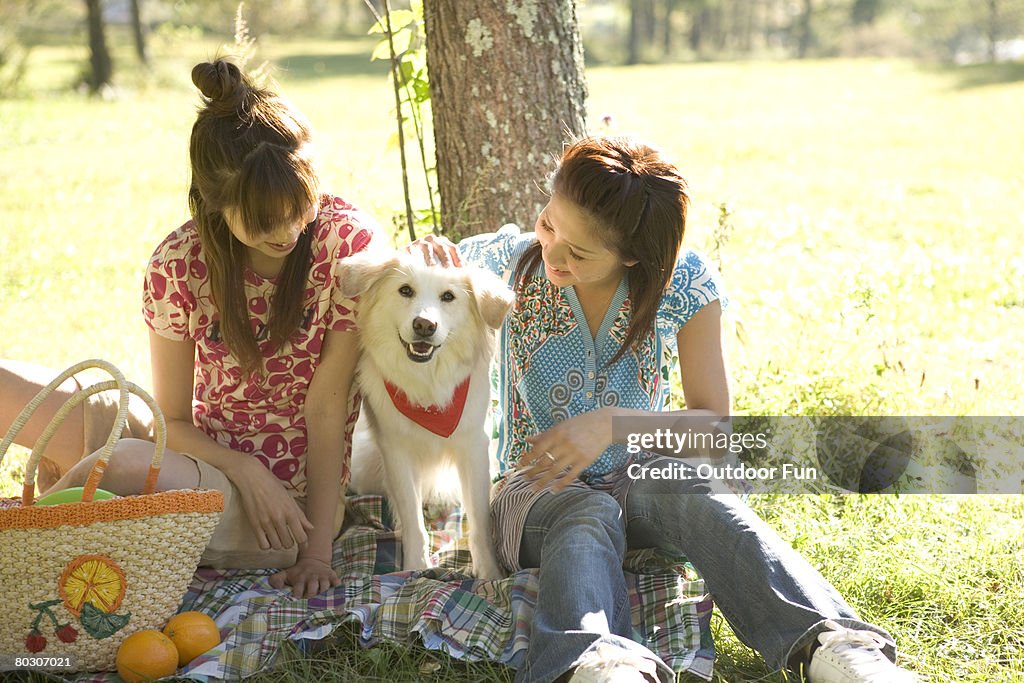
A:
[606, 297]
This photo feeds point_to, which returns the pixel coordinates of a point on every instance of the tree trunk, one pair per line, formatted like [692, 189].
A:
[699, 28]
[864, 12]
[506, 83]
[99, 57]
[805, 37]
[667, 45]
[633, 37]
[140, 36]
[718, 27]
[650, 22]
[747, 41]
[993, 29]
[768, 25]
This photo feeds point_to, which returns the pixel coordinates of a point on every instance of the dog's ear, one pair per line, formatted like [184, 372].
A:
[493, 297]
[357, 273]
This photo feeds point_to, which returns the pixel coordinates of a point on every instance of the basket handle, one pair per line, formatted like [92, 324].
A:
[124, 387]
[37, 400]
[96, 474]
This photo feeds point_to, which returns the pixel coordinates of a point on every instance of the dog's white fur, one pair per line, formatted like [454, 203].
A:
[393, 455]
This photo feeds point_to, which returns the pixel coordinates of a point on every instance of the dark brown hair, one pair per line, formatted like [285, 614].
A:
[249, 151]
[636, 201]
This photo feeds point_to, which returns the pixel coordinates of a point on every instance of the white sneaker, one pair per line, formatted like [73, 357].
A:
[849, 656]
[610, 664]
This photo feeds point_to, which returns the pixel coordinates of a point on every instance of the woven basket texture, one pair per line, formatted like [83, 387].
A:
[157, 555]
[78, 578]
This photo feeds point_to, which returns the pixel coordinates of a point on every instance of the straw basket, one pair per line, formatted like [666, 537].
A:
[78, 578]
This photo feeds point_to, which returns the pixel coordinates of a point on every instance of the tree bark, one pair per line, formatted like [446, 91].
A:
[99, 57]
[140, 35]
[506, 84]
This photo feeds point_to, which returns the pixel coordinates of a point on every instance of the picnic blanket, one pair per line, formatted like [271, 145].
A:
[440, 608]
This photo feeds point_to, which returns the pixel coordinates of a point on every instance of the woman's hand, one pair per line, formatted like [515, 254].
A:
[436, 251]
[562, 452]
[276, 518]
[309, 576]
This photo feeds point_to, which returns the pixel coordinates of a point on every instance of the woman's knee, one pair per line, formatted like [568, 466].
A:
[593, 511]
[128, 467]
[664, 504]
[578, 517]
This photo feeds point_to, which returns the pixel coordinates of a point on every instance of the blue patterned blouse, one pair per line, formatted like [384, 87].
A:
[551, 368]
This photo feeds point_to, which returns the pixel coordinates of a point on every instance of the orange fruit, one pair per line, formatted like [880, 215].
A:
[92, 578]
[146, 656]
[193, 633]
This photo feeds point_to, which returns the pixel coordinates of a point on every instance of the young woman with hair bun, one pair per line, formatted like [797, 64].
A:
[251, 343]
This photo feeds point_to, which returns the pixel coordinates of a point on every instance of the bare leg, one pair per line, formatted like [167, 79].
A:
[126, 473]
[19, 383]
[83, 431]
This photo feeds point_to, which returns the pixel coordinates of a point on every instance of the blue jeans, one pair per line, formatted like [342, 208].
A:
[773, 599]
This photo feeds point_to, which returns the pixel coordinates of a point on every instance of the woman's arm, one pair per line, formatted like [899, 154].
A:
[327, 409]
[277, 520]
[577, 442]
[702, 362]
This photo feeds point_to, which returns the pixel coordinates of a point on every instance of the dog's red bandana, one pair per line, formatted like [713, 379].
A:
[440, 421]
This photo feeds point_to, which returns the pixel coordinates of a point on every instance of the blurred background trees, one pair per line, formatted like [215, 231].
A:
[613, 31]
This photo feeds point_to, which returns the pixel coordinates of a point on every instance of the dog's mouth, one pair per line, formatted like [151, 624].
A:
[419, 351]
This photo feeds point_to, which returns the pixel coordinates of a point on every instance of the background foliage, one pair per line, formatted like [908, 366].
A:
[866, 214]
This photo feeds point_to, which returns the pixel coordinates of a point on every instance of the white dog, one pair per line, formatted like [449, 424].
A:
[427, 337]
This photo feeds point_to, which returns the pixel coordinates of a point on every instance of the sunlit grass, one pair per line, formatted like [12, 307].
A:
[874, 265]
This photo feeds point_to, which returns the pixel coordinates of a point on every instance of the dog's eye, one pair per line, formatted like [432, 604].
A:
[447, 296]
[406, 291]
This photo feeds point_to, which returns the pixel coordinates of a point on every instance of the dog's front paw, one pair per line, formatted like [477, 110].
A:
[486, 567]
[414, 558]
[415, 563]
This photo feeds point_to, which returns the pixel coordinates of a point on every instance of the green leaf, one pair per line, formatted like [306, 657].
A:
[99, 624]
[405, 69]
[422, 90]
[400, 18]
[402, 40]
[382, 51]
[415, 58]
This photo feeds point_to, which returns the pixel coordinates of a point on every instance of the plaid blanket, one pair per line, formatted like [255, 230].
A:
[441, 608]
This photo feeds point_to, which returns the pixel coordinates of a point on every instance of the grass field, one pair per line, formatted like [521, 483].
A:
[873, 259]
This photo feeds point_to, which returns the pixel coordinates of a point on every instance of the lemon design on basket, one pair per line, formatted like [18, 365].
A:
[92, 587]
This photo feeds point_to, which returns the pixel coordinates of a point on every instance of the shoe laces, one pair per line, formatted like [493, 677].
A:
[606, 661]
[860, 650]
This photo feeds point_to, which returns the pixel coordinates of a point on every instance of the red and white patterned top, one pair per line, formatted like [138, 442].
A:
[261, 415]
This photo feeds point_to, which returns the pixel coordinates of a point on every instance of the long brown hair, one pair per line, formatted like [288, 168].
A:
[250, 150]
[636, 201]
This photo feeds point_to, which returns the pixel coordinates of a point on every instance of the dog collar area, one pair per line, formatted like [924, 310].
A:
[440, 421]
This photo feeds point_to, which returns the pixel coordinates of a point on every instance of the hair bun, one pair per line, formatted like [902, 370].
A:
[217, 80]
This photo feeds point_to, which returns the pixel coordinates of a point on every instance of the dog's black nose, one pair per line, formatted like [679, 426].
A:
[424, 327]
